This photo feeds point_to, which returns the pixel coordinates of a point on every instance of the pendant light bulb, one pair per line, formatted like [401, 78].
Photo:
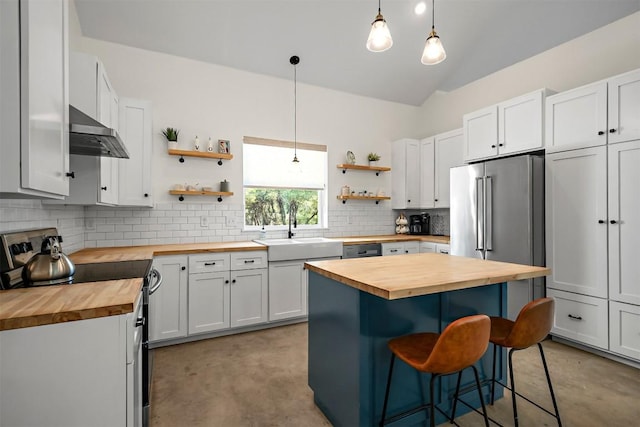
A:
[379, 37]
[433, 50]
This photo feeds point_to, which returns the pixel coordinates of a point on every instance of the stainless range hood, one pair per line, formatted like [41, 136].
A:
[88, 137]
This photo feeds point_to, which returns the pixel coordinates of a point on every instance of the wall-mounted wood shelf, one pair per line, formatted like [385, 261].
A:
[376, 169]
[376, 198]
[202, 154]
[183, 193]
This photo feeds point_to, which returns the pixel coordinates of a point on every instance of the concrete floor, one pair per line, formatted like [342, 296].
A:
[260, 379]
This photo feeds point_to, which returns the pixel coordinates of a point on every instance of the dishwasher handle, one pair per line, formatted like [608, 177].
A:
[155, 273]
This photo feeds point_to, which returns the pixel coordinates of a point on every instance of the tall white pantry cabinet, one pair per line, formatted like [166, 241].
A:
[593, 214]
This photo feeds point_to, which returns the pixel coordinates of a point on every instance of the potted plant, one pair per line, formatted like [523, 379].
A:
[172, 136]
[373, 159]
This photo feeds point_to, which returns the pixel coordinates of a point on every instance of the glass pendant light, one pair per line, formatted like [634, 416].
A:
[380, 37]
[433, 50]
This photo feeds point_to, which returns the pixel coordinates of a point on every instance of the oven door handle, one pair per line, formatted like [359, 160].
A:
[155, 287]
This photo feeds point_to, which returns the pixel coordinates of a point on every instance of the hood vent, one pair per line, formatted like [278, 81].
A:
[88, 137]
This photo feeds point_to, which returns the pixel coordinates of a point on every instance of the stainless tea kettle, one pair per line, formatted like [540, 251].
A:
[50, 266]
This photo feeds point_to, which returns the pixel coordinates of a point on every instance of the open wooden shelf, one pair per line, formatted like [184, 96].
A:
[376, 169]
[183, 193]
[376, 198]
[202, 154]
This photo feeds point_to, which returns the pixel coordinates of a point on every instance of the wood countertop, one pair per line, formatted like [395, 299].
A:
[357, 240]
[410, 275]
[45, 305]
[133, 253]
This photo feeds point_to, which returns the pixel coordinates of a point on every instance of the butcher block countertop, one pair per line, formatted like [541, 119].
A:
[405, 276]
[45, 305]
[357, 240]
[132, 253]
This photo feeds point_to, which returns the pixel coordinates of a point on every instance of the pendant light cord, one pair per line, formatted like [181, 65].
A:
[295, 111]
[433, 15]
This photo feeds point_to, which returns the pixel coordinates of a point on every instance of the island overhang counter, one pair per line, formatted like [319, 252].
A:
[357, 305]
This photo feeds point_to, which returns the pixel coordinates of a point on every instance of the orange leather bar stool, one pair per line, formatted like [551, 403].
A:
[531, 327]
[460, 345]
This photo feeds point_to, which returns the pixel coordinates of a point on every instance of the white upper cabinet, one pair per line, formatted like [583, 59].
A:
[427, 172]
[449, 152]
[405, 166]
[604, 112]
[33, 98]
[135, 173]
[510, 127]
[624, 107]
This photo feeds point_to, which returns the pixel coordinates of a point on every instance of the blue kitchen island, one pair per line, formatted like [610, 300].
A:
[357, 305]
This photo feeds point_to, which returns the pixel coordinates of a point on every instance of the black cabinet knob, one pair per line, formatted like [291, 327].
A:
[183, 268]
[104, 188]
[493, 146]
[146, 194]
[500, 145]
[226, 281]
[71, 175]
[435, 200]
[408, 201]
[601, 132]
[613, 221]
[612, 131]
[233, 281]
[601, 221]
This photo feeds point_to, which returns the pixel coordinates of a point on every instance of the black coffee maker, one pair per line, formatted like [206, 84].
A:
[419, 224]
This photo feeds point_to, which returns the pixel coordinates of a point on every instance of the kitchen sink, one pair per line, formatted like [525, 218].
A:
[301, 248]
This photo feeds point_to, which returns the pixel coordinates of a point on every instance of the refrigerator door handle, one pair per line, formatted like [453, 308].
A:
[479, 225]
[488, 209]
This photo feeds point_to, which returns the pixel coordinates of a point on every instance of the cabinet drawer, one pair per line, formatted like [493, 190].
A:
[581, 318]
[209, 262]
[392, 249]
[443, 249]
[427, 247]
[248, 260]
[624, 324]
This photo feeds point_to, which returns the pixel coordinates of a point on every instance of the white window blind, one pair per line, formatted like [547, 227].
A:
[268, 163]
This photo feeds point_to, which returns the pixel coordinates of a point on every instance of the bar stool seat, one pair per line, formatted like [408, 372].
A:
[531, 327]
[459, 346]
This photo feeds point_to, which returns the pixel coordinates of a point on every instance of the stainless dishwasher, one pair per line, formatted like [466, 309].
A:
[362, 251]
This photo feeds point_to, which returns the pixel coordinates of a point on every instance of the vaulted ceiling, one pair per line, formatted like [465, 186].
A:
[480, 37]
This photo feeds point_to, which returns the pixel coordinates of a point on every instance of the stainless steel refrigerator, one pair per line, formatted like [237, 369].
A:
[497, 213]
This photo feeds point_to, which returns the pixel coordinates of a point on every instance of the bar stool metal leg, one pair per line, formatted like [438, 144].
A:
[553, 396]
[455, 398]
[513, 389]
[484, 408]
[493, 375]
[386, 395]
[432, 405]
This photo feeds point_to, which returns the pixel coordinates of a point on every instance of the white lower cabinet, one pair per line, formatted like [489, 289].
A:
[581, 318]
[249, 297]
[74, 374]
[624, 325]
[442, 248]
[209, 300]
[168, 305]
[400, 248]
[287, 290]
[427, 247]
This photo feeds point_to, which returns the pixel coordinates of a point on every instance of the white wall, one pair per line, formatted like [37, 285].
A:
[610, 50]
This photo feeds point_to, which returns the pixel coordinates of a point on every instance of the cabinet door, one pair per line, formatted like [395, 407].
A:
[134, 174]
[580, 318]
[44, 96]
[405, 164]
[624, 329]
[442, 248]
[449, 152]
[576, 216]
[624, 107]
[287, 290]
[427, 173]
[107, 103]
[249, 297]
[576, 118]
[209, 302]
[427, 247]
[481, 133]
[168, 305]
[411, 247]
[624, 222]
[520, 124]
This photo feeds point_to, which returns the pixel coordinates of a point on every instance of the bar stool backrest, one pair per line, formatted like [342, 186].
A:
[533, 324]
[460, 345]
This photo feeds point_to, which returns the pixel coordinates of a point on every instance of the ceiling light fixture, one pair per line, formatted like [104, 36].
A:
[420, 8]
[380, 37]
[433, 50]
[295, 60]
